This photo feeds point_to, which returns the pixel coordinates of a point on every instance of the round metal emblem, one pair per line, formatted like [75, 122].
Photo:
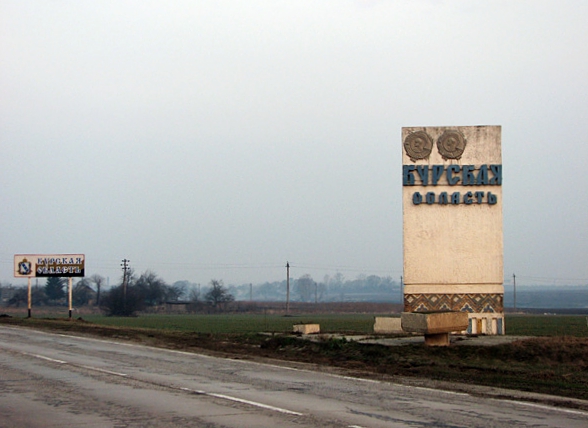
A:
[418, 145]
[451, 145]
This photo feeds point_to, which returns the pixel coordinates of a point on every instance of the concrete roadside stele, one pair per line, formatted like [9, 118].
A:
[436, 326]
[452, 223]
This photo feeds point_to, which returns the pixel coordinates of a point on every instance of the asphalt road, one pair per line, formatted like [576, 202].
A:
[53, 380]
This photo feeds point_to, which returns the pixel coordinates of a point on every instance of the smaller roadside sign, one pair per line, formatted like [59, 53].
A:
[45, 265]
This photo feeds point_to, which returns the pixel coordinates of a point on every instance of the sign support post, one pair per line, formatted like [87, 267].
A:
[70, 288]
[29, 298]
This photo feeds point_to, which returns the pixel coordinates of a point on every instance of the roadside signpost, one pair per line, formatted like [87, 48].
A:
[48, 265]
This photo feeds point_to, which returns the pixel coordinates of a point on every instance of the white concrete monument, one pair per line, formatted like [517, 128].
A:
[452, 215]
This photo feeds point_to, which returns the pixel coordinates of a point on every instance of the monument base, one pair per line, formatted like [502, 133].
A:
[486, 323]
[440, 339]
[436, 326]
[485, 310]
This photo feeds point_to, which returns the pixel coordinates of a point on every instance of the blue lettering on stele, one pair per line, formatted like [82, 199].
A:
[461, 177]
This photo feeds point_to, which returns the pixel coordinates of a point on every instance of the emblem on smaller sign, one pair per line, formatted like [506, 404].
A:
[418, 145]
[24, 267]
[451, 145]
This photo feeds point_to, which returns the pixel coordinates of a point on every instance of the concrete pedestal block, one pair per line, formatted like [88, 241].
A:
[307, 328]
[436, 326]
[441, 339]
[387, 325]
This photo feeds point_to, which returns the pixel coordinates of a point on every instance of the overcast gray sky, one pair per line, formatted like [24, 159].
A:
[220, 139]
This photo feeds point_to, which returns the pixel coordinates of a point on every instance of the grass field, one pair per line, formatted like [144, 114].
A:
[242, 323]
[516, 325]
[547, 325]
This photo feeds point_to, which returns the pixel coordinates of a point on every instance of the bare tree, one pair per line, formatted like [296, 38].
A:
[194, 294]
[218, 294]
[82, 292]
[97, 280]
[177, 290]
[153, 289]
[305, 287]
[119, 302]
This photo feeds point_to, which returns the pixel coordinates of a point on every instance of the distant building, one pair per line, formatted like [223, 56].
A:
[177, 307]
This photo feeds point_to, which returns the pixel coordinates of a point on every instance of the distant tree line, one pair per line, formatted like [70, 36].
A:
[132, 295]
[139, 293]
[86, 291]
[148, 290]
[331, 289]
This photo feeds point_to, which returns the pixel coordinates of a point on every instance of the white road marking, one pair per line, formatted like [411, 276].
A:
[42, 357]
[242, 400]
[254, 403]
[194, 391]
[422, 388]
[105, 371]
[53, 360]
[544, 407]
[199, 392]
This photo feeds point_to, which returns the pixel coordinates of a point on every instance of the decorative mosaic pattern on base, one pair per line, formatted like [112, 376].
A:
[472, 303]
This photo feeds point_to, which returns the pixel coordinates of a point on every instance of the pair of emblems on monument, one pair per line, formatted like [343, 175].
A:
[451, 145]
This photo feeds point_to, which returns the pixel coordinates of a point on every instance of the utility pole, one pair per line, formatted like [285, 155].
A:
[287, 288]
[125, 268]
[315, 292]
[514, 283]
[250, 292]
[401, 291]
